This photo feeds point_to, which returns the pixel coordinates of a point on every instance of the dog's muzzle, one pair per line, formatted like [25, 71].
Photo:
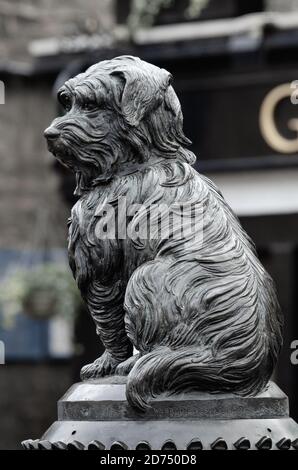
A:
[56, 144]
[51, 133]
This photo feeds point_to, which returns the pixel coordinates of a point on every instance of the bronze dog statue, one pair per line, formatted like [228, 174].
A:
[201, 312]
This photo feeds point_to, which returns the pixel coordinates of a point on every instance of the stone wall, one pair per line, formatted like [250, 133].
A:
[24, 20]
[28, 400]
[32, 212]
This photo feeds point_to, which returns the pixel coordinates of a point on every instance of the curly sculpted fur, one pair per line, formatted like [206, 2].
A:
[201, 311]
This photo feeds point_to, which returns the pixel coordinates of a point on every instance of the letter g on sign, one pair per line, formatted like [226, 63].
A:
[267, 121]
[294, 355]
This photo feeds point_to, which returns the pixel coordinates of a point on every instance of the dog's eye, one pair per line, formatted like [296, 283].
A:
[65, 100]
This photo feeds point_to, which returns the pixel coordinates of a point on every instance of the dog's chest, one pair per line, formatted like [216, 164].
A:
[93, 248]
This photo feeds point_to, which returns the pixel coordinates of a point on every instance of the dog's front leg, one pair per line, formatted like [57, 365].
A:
[105, 304]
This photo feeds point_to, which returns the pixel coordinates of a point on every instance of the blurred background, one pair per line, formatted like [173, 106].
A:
[234, 63]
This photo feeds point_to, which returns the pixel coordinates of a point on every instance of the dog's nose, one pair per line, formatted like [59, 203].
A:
[51, 133]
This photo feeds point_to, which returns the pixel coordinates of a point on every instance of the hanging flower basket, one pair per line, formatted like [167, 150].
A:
[40, 303]
[41, 292]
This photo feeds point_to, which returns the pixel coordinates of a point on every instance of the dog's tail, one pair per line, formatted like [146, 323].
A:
[190, 369]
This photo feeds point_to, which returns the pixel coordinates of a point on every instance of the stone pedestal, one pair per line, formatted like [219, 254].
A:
[96, 415]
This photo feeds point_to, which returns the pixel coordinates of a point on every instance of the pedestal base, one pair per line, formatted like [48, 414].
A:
[96, 415]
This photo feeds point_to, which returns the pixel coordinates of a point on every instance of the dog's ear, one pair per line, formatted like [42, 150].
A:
[143, 91]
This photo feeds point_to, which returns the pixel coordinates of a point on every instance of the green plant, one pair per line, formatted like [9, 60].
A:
[143, 12]
[41, 292]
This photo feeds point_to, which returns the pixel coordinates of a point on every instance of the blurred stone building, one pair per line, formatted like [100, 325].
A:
[33, 212]
[29, 199]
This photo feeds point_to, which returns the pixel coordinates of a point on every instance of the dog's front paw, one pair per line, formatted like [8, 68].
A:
[104, 365]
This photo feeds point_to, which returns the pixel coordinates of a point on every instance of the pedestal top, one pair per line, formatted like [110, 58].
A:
[105, 400]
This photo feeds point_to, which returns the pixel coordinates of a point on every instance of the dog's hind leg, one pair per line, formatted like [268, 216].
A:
[151, 310]
[106, 307]
[125, 367]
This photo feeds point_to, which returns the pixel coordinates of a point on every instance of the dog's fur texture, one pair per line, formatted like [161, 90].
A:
[203, 317]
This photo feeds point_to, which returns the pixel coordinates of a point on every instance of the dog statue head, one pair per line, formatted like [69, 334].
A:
[119, 112]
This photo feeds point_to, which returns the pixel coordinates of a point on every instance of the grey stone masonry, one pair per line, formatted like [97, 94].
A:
[104, 400]
[95, 415]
